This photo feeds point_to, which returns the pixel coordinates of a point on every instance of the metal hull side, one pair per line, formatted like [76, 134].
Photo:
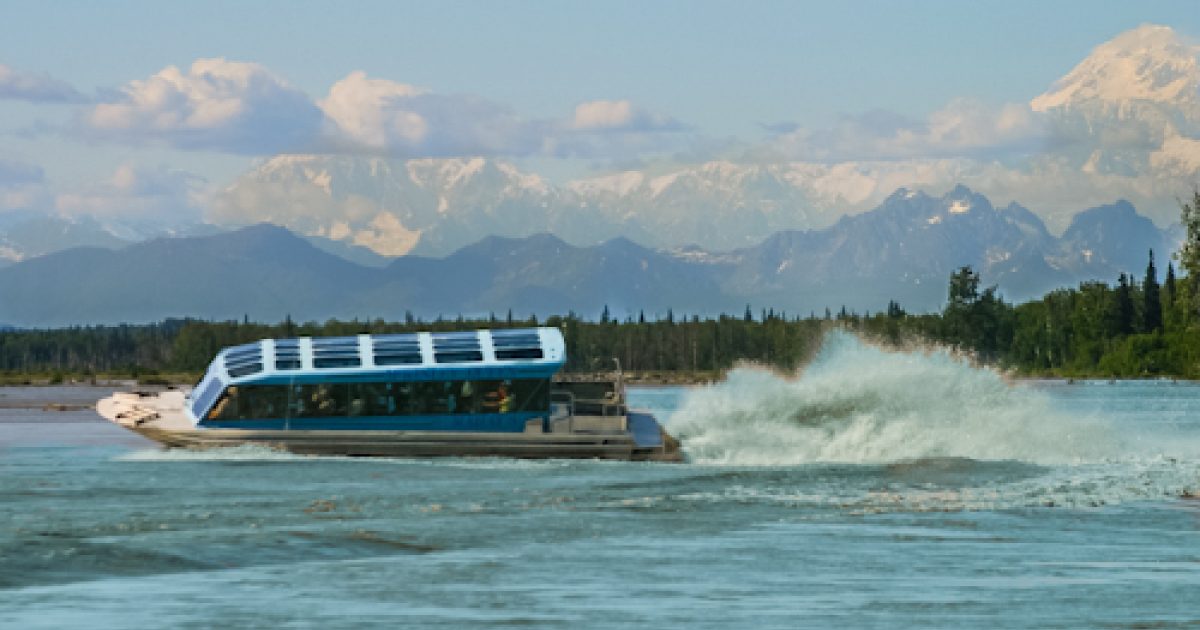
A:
[417, 444]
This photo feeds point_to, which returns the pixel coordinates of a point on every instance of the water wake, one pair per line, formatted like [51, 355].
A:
[241, 452]
[856, 403]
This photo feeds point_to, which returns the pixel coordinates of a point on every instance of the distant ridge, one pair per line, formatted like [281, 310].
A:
[902, 250]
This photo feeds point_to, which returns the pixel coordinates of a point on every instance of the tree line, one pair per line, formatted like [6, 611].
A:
[1132, 328]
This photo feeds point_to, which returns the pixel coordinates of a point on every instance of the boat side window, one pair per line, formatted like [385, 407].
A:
[263, 401]
[228, 406]
[530, 395]
[369, 399]
[324, 400]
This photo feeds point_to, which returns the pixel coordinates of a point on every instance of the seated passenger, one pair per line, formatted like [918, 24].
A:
[491, 401]
[322, 400]
[506, 401]
[226, 408]
[467, 396]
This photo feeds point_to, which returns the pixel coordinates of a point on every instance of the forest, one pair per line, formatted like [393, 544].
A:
[1133, 327]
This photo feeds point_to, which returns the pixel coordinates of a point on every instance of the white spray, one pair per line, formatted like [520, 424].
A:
[857, 403]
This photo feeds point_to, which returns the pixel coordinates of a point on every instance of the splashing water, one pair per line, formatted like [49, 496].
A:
[856, 403]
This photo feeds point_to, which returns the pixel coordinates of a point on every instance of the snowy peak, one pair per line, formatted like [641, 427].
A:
[1149, 63]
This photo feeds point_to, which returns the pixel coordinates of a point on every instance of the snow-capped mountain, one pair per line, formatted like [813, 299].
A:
[388, 206]
[433, 207]
[1149, 64]
[1132, 106]
[1124, 123]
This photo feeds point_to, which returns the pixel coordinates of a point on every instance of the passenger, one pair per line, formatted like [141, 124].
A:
[448, 397]
[467, 394]
[322, 400]
[506, 401]
[491, 401]
[227, 407]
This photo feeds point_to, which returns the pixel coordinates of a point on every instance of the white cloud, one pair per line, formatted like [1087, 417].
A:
[603, 115]
[243, 108]
[963, 128]
[137, 192]
[375, 113]
[620, 116]
[217, 104]
[386, 117]
[36, 87]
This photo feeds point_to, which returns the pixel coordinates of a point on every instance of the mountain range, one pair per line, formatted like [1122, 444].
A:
[1123, 123]
[904, 249]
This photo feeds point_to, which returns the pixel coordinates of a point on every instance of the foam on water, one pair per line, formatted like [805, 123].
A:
[259, 453]
[857, 403]
[241, 452]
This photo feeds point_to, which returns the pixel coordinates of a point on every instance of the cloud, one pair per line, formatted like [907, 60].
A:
[36, 88]
[963, 128]
[22, 186]
[620, 116]
[375, 113]
[137, 192]
[18, 173]
[779, 128]
[401, 120]
[243, 108]
[219, 105]
[386, 117]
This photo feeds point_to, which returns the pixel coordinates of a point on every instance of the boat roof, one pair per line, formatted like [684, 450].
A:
[409, 356]
[420, 356]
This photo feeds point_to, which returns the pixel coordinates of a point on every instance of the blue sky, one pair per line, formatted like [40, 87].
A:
[704, 75]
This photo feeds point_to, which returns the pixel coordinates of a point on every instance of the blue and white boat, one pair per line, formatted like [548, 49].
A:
[485, 392]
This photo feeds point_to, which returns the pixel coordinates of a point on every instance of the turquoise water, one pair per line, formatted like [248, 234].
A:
[875, 490]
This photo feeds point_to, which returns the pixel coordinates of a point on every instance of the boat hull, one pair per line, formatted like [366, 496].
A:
[159, 417]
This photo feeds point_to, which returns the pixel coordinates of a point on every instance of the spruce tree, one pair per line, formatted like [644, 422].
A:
[1123, 311]
[1152, 311]
[1189, 254]
[1169, 284]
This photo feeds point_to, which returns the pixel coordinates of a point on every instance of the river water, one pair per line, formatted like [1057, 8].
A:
[877, 489]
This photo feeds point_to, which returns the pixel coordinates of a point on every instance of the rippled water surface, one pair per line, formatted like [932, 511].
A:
[876, 490]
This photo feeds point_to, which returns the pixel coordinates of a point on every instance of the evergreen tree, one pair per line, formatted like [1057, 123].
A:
[1169, 284]
[1152, 310]
[1123, 311]
[964, 286]
[1189, 254]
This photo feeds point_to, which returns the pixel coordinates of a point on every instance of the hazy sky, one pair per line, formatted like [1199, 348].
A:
[564, 86]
